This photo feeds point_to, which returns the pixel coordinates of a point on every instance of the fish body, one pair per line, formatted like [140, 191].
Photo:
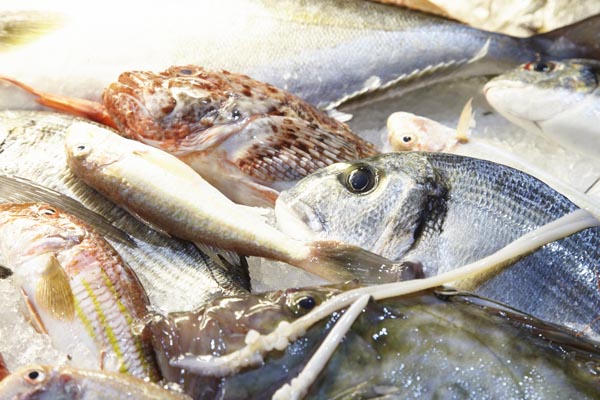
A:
[151, 184]
[48, 382]
[247, 138]
[425, 345]
[77, 288]
[175, 274]
[557, 99]
[327, 51]
[444, 211]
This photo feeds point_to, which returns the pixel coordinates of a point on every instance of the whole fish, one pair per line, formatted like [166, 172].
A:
[174, 273]
[444, 211]
[557, 99]
[246, 138]
[65, 383]
[418, 346]
[77, 288]
[326, 51]
[166, 193]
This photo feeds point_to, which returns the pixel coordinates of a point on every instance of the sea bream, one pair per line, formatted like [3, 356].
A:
[77, 289]
[326, 51]
[443, 211]
[45, 382]
[167, 194]
[422, 345]
[557, 99]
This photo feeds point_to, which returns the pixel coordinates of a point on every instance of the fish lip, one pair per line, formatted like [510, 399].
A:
[509, 84]
[299, 221]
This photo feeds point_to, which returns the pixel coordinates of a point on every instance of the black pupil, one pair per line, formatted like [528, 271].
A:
[185, 71]
[49, 211]
[236, 113]
[33, 375]
[361, 180]
[541, 67]
[81, 147]
[406, 139]
[307, 303]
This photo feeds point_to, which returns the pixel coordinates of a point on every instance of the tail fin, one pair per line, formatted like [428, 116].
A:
[91, 110]
[338, 262]
[21, 27]
[578, 40]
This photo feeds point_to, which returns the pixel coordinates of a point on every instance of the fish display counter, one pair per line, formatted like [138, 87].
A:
[296, 199]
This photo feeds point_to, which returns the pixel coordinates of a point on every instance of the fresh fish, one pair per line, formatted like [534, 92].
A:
[246, 138]
[557, 99]
[65, 383]
[444, 211]
[326, 52]
[174, 273]
[220, 327]
[3, 370]
[151, 184]
[417, 346]
[77, 289]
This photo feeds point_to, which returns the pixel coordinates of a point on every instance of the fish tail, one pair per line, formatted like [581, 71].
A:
[21, 27]
[578, 40]
[91, 110]
[338, 262]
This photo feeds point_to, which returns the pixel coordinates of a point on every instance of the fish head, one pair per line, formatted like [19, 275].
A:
[35, 382]
[536, 92]
[409, 132]
[376, 203]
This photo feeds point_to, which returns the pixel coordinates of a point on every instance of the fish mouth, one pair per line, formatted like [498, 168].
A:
[297, 220]
[502, 84]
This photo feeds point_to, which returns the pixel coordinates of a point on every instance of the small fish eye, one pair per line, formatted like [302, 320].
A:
[185, 71]
[46, 210]
[80, 147]
[35, 376]
[235, 114]
[539, 66]
[307, 302]
[361, 180]
[407, 139]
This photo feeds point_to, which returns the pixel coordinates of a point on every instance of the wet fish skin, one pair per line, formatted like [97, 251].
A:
[557, 99]
[326, 51]
[444, 211]
[231, 129]
[77, 288]
[50, 382]
[418, 346]
[175, 274]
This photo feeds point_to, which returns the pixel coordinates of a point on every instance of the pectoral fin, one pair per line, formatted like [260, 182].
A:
[53, 292]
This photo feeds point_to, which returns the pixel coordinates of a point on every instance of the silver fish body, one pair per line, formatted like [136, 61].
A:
[425, 345]
[51, 383]
[174, 273]
[326, 52]
[557, 99]
[444, 211]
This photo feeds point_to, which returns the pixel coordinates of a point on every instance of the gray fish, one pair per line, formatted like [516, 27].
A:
[174, 273]
[417, 346]
[326, 52]
[557, 99]
[444, 211]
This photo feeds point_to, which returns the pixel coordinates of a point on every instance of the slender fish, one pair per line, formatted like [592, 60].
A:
[65, 383]
[443, 211]
[77, 289]
[165, 192]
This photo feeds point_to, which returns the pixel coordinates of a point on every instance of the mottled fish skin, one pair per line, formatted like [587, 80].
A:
[426, 345]
[221, 326]
[174, 273]
[77, 288]
[557, 99]
[445, 211]
[43, 382]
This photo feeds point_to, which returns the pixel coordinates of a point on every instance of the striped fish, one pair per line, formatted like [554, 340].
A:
[77, 289]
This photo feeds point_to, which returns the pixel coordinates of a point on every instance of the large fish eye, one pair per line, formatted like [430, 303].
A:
[539, 66]
[302, 302]
[35, 376]
[361, 179]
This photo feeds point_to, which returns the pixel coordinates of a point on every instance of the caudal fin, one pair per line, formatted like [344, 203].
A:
[91, 110]
[338, 262]
[578, 40]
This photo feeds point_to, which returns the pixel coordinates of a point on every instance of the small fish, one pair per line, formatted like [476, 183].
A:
[220, 327]
[421, 345]
[443, 211]
[77, 288]
[246, 138]
[3, 370]
[66, 383]
[557, 99]
[166, 193]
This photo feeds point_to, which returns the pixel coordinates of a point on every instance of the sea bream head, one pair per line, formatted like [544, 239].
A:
[558, 99]
[376, 203]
